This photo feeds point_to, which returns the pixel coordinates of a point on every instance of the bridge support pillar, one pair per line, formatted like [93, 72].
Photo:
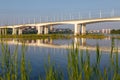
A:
[76, 29]
[3, 31]
[40, 30]
[0, 32]
[45, 30]
[14, 31]
[50, 28]
[83, 31]
[19, 31]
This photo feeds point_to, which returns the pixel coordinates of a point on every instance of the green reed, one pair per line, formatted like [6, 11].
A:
[79, 66]
[12, 68]
[51, 72]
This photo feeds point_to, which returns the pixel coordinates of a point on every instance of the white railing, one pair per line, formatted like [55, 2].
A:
[56, 18]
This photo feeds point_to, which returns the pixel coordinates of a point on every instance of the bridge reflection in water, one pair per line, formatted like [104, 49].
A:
[49, 43]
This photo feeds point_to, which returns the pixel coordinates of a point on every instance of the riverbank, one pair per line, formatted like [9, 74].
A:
[54, 36]
[35, 36]
[92, 36]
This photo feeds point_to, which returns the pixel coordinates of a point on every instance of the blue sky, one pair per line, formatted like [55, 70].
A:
[33, 8]
[46, 7]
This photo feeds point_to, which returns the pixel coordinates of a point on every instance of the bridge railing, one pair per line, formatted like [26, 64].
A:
[7, 20]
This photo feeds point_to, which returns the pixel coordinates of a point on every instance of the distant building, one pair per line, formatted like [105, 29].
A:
[104, 31]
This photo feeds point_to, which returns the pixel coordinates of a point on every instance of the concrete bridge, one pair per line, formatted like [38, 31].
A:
[44, 28]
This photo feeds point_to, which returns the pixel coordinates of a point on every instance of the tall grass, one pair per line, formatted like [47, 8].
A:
[11, 68]
[79, 66]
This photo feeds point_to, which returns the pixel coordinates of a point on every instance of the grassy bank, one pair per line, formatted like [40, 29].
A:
[35, 36]
[54, 36]
[92, 36]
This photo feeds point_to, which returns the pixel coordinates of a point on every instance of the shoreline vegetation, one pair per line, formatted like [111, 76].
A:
[113, 31]
[79, 65]
[55, 36]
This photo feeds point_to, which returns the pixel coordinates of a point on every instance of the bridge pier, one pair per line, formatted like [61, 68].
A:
[14, 31]
[3, 31]
[40, 29]
[45, 30]
[76, 29]
[50, 28]
[0, 32]
[19, 31]
[83, 31]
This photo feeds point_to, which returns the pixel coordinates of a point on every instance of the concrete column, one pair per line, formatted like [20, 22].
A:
[83, 31]
[14, 32]
[19, 31]
[0, 32]
[79, 29]
[46, 30]
[3, 32]
[40, 29]
[76, 29]
[51, 28]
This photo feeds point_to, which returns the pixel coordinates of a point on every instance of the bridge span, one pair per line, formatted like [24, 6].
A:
[44, 28]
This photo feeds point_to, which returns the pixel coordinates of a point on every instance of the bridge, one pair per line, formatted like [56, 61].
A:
[44, 28]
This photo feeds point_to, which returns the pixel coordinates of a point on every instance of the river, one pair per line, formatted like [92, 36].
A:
[39, 50]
